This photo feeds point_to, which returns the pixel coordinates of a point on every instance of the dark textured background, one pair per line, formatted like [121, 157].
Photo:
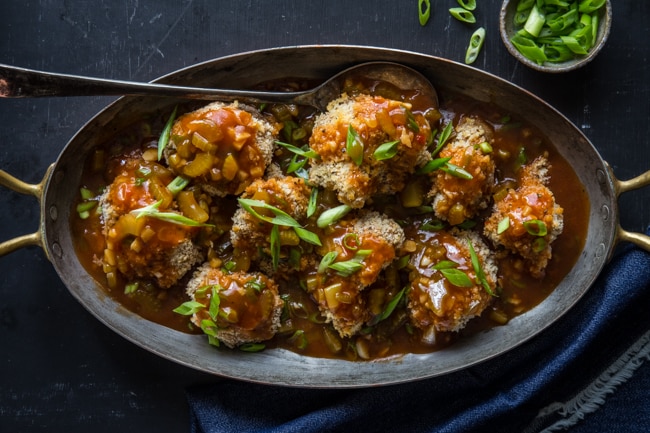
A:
[61, 369]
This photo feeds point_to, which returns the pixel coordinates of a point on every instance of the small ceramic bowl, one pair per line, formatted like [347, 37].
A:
[507, 29]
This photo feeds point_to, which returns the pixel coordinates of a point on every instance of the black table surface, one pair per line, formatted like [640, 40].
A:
[60, 368]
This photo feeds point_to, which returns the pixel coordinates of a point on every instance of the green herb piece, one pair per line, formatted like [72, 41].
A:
[478, 269]
[424, 11]
[177, 185]
[131, 288]
[188, 308]
[535, 21]
[84, 208]
[166, 132]
[313, 202]
[467, 224]
[503, 225]
[469, 5]
[475, 45]
[215, 301]
[388, 310]
[326, 261]
[209, 328]
[410, 119]
[463, 15]
[386, 150]
[86, 194]
[403, 261]
[485, 147]
[352, 266]
[432, 225]
[432, 165]
[252, 347]
[351, 241]
[280, 218]
[539, 244]
[310, 153]
[275, 246]
[298, 339]
[170, 217]
[536, 228]
[354, 146]
[443, 137]
[457, 171]
[456, 277]
[330, 216]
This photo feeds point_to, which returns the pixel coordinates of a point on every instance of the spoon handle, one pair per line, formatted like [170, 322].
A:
[18, 82]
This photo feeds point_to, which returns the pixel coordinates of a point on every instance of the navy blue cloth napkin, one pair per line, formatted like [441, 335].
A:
[590, 371]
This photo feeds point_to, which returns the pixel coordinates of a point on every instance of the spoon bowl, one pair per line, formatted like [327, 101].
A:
[18, 82]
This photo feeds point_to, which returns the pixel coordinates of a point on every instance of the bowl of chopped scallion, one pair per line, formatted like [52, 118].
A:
[555, 35]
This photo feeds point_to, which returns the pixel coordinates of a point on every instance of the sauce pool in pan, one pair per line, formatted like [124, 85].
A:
[447, 221]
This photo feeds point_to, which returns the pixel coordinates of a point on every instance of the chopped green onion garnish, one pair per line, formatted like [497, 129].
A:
[410, 119]
[332, 215]
[432, 225]
[215, 301]
[390, 307]
[252, 347]
[485, 147]
[535, 21]
[432, 165]
[281, 218]
[354, 146]
[299, 339]
[326, 261]
[170, 217]
[478, 269]
[386, 150]
[470, 5]
[86, 194]
[188, 308]
[457, 171]
[298, 151]
[443, 137]
[454, 276]
[177, 185]
[313, 202]
[536, 228]
[166, 132]
[131, 288]
[351, 241]
[503, 225]
[463, 15]
[539, 244]
[275, 246]
[475, 45]
[424, 11]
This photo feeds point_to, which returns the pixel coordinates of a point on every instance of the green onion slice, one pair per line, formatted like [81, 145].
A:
[386, 150]
[503, 225]
[351, 241]
[281, 217]
[170, 217]
[188, 308]
[443, 137]
[457, 171]
[177, 185]
[252, 347]
[539, 244]
[475, 45]
[463, 15]
[215, 301]
[332, 215]
[424, 11]
[354, 146]
[536, 228]
[313, 202]
[275, 246]
[299, 339]
[478, 269]
[326, 261]
[166, 132]
[432, 165]
[390, 307]
[310, 153]
[469, 5]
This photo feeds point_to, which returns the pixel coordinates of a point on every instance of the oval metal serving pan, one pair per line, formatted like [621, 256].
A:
[280, 367]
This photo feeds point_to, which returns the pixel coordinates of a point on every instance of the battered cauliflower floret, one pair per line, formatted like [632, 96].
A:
[455, 198]
[142, 246]
[248, 309]
[446, 291]
[359, 247]
[252, 236]
[223, 147]
[366, 122]
[527, 220]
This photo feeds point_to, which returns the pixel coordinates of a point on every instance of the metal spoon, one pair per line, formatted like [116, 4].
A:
[18, 82]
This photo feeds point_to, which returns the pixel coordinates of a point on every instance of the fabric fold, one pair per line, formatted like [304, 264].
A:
[549, 383]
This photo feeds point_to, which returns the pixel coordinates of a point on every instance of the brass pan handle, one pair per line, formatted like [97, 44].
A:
[37, 191]
[621, 186]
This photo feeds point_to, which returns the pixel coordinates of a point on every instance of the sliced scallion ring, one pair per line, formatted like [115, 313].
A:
[330, 216]
[354, 146]
[475, 45]
[536, 228]
[463, 15]
[166, 132]
[386, 150]
[424, 11]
